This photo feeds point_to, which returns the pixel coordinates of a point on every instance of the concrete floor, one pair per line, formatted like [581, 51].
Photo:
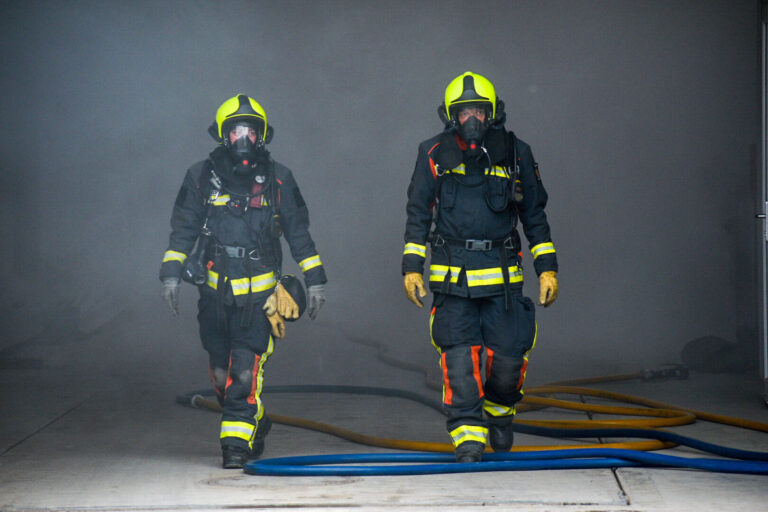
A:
[103, 432]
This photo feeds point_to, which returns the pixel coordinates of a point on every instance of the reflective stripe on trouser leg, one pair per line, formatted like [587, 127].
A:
[251, 346]
[452, 325]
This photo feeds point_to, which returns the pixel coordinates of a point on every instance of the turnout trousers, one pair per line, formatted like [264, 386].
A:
[237, 355]
[470, 333]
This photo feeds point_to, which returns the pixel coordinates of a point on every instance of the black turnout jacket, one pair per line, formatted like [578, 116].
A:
[468, 209]
[243, 252]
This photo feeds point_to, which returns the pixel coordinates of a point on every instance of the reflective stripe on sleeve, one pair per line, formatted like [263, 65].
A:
[311, 262]
[174, 256]
[418, 250]
[545, 248]
[469, 433]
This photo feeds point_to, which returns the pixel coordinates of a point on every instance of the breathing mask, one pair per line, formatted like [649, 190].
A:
[245, 145]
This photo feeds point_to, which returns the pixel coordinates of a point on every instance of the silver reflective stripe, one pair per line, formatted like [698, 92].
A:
[263, 282]
[418, 250]
[545, 248]
[174, 256]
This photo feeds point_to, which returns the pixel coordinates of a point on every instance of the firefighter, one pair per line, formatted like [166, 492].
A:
[231, 210]
[471, 185]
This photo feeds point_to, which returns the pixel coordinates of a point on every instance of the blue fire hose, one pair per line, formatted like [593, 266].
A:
[436, 463]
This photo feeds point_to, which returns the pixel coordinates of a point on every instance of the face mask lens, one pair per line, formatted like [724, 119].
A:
[243, 131]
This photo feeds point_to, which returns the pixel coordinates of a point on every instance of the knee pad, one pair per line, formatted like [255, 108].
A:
[504, 378]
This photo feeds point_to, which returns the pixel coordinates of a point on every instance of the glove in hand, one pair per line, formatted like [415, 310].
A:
[414, 282]
[315, 299]
[170, 294]
[548, 289]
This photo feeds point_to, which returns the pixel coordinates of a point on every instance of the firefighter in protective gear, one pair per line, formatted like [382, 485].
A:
[471, 185]
[226, 224]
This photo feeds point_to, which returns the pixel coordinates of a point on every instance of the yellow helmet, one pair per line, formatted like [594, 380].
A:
[468, 88]
[240, 108]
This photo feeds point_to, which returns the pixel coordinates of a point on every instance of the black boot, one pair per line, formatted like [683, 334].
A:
[261, 432]
[234, 457]
[470, 451]
[501, 436]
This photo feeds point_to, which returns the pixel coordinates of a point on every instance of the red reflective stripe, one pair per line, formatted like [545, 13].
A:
[488, 362]
[522, 374]
[252, 394]
[476, 369]
[434, 308]
[447, 391]
[432, 162]
[229, 377]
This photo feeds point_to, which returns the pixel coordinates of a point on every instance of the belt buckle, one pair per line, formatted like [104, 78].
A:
[478, 245]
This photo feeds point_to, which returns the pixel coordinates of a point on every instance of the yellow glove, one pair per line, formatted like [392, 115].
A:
[286, 306]
[547, 288]
[413, 282]
[277, 322]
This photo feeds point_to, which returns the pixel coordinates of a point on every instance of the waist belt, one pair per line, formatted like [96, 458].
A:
[501, 245]
[511, 242]
[234, 251]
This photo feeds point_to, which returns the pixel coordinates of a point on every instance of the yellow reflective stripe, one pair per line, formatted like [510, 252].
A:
[240, 286]
[260, 378]
[480, 277]
[469, 433]
[439, 351]
[497, 170]
[263, 282]
[545, 248]
[219, 200]
[311, 262]
[489, 276]
[239, 429]
[174, 256]
[213, 279]
[418, 250]
[438, 273]
[497, 410]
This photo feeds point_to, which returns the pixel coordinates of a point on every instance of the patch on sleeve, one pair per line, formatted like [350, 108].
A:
[297, 197]
[536, 171]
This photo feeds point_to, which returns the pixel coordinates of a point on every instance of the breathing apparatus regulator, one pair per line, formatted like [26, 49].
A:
[471, 91]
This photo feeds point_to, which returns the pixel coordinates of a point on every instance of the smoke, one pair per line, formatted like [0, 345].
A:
[642, 118]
